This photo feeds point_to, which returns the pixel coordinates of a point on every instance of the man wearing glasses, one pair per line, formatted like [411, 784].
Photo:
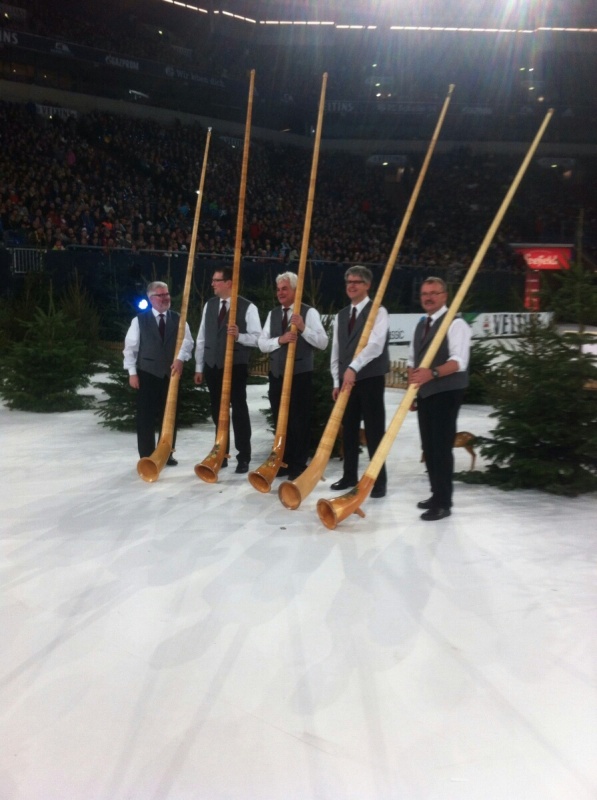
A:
[363, 376]
[441, 390]
[210, 354]
[149, 358]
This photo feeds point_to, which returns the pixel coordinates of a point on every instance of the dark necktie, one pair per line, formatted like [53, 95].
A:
[222, 313]
[284, 320]
[162, 326]
[352, 320]
[427, 326]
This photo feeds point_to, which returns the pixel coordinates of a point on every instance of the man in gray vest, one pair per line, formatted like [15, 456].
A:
[210, 354]
[363, 376]
[440, 395]
[149, 358]
[274, 339]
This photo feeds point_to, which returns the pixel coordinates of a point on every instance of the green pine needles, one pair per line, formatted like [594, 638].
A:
[46, 368]
[546, 411]
[118, 408]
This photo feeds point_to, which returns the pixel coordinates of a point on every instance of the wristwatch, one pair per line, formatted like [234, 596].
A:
[435, 373]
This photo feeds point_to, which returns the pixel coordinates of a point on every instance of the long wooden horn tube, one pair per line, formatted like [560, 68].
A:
[331, 512]
[292, 493]
[208, 469]
[261, 478]
[149, 468]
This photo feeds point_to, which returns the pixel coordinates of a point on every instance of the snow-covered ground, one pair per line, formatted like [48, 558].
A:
[189, 641]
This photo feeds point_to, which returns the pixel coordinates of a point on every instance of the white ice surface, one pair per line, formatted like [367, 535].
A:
[196, 641]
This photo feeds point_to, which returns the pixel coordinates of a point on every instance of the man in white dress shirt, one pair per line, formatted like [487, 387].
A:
[210, 353]
[441, 390]
[274, 339]
[149, 359]
[363, 376]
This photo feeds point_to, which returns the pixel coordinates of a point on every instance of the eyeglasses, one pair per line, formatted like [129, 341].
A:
[349, 283]
[431, 294]
[218, 280]
[163, 294]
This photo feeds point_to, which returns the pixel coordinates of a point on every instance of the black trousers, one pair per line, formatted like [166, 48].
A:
[366, 402]
[298, 432]
[241, 423]
[438, 415]
[151, 402]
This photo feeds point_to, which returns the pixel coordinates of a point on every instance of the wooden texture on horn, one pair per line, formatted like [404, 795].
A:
[261, 478]
[149, 468]
[331, 512]
[208, 469]
[292, 493]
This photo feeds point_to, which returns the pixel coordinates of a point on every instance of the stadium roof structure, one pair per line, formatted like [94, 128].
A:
[528, 15]
[389, 61]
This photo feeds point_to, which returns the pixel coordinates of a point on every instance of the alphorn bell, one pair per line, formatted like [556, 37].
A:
[149, 468]
[292, 493]
[331, 512]
[261, 478]
[209, 468]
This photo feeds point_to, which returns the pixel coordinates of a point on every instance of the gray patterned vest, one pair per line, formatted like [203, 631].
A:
[155, 356]
[457, 380]
[215, 335]
[303, 359]
[347, 344]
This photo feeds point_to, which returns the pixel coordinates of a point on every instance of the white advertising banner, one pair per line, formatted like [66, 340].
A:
[498, 325]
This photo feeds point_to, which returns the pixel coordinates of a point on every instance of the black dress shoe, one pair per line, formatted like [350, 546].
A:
[425, 503]
[378, 491]
[224, 464]
[436, 513]
[343, 483]
[172, 462]
[283, 472]
[242, 467]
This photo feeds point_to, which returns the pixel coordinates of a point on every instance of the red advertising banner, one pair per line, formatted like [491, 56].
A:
[542, 256]
[531, 290]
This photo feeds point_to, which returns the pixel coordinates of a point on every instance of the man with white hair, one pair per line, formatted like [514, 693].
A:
[149, 358]
[274, 339]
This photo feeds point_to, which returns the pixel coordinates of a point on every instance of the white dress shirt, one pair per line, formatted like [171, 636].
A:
[248, 339]
[132, 342]
[459, 342]
[314, 333]
[373, 348]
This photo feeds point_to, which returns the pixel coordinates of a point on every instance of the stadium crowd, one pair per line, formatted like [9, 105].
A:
[106, 181]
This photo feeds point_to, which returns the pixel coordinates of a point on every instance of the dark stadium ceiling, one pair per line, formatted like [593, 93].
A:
[378, 14]
[529, 14]
[377, 76]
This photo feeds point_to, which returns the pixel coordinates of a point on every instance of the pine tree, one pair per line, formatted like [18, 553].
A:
[572, 293]
[118, 410]
[482, 357]
[76, 303]
[322, 389]
[45, 369]
[546, 436]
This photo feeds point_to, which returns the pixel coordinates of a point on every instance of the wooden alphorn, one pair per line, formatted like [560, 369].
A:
[292, 493]
[149, 468]
[261, 478]
[331, 512]
[208, 469]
